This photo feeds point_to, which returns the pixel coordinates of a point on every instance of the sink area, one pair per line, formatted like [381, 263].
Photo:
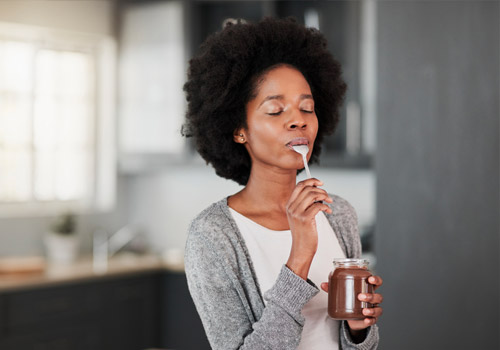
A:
[83, 268]
[105, 246]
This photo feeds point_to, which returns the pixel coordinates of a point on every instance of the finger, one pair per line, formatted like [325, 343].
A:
[307, 197]
[312, 182]
[302, 189]
[324, 286]
[356, 324]
[306, 210]
[372, 298]
[315, 208]
[373, 312]
[313, 194]
[301, 185]
[362, 324]
[375, 280]
[370, 321]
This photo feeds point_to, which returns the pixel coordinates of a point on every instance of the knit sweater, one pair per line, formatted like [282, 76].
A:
[226, 293]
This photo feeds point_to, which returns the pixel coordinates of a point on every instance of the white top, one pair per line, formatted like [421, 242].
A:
[270, 249]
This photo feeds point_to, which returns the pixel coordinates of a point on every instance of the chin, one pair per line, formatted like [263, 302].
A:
[298, 166]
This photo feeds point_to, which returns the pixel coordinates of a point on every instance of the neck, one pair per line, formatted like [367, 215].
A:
[269, 190]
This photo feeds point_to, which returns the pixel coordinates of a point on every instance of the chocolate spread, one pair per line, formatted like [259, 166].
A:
[346, 282]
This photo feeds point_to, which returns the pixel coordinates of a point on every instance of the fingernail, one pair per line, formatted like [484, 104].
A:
[362, 296]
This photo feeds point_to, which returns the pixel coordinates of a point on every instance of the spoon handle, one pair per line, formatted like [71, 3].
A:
[306, 166]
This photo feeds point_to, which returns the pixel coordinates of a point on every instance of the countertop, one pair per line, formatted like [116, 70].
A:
[82, 269]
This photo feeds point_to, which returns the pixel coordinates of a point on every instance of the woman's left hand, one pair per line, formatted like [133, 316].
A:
[372, 313]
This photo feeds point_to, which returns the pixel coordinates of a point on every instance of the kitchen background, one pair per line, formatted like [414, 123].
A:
[91, 105]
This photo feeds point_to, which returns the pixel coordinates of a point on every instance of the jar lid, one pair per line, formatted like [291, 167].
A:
[351, 262]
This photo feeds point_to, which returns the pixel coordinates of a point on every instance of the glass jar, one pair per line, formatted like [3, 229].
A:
[346, 281]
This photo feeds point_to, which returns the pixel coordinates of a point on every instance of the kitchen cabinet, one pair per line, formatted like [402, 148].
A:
[146, 309]
[108, 313]
[151, 73]
[181, 326]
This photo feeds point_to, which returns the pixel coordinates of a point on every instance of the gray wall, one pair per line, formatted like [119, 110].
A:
[437, 167]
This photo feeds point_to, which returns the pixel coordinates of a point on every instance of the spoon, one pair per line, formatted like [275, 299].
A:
[303, 149]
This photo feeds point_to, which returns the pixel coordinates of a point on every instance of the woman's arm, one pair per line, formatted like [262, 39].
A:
[224, 307]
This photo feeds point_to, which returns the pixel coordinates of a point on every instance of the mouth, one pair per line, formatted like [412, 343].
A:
[297, 141]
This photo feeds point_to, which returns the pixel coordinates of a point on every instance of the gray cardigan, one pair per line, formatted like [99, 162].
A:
[225, 290]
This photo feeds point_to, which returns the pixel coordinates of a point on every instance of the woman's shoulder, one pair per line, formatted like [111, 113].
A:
[341, 206]
[206, 230]
[212, 218]
[212, 235]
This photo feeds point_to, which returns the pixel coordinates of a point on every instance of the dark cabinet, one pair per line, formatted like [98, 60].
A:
[135, 313]
[152, 309]
[64, 337]
[182, 328]
[118, 313]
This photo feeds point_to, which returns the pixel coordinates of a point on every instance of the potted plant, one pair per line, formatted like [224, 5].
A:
[62, 241]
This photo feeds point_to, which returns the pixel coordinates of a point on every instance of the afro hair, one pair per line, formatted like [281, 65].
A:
[223, 77]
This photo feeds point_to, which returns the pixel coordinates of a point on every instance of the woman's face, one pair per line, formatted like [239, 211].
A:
[281, 115]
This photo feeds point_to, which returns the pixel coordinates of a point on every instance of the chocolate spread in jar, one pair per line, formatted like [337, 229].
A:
[349, 278]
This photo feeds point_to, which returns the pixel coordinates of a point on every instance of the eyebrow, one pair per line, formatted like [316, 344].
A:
[281, 97]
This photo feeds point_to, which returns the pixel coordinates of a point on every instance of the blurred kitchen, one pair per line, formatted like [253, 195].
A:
[97, 187]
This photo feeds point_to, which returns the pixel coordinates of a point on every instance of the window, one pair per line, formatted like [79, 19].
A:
[56, 121]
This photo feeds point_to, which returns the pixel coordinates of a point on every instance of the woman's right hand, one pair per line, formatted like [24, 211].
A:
[305, 202]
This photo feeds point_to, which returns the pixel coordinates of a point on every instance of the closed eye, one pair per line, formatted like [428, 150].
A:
[279, 112]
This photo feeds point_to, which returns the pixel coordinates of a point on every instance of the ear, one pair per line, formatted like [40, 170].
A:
[239, 136]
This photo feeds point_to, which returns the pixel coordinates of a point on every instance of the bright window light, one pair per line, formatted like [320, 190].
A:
[49, 121]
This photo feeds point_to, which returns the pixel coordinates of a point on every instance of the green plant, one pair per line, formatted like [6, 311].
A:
[65, 224]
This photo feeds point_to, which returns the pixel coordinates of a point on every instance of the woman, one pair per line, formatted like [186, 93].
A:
[255, 258]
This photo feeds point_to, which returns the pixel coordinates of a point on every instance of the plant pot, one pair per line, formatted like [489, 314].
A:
[61, 248]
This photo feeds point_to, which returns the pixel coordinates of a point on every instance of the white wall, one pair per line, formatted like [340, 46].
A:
[164, 203]
[83, 16]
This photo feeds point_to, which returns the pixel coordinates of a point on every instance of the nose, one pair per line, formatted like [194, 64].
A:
[296, 121]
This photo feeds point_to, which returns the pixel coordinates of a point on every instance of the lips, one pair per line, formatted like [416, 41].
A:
[298, 141]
